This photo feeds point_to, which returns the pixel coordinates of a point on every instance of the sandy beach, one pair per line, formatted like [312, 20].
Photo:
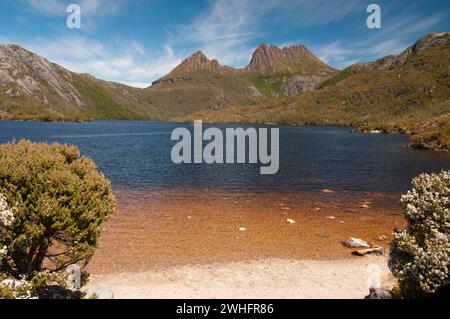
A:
[265, 279]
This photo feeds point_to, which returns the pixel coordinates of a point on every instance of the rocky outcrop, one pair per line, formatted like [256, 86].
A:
[298, 84]
[295, 67]
[197, 62]
[270, 60]
[392, 61]
[31, 74]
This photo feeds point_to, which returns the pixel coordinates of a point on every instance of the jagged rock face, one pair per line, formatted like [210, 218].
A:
[299, 84]
[270, 60]
[197, 62]
[25, 73]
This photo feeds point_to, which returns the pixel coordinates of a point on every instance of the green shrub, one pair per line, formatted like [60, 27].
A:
[53, 202]
[420, 255]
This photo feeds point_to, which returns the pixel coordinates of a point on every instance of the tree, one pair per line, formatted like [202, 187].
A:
[59, 202]
[420, 255]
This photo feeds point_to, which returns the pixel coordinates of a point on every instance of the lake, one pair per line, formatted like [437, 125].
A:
[136, 155]
[170, 215]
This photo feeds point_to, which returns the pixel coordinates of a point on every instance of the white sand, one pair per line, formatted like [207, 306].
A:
[269, 279]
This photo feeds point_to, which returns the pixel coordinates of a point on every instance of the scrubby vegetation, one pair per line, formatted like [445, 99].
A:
[420, 255]
[52, 205]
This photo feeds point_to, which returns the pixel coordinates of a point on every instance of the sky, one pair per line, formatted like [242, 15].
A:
[138, 41]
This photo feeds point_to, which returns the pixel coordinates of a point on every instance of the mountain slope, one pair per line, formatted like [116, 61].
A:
[408, 93]
[31, 86]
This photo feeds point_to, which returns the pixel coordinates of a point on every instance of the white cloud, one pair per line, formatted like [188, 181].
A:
[124, 61]
[335, 51]
[226, 29]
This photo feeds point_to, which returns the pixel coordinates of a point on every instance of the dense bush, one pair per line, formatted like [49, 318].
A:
[420, 255]
[52, 205]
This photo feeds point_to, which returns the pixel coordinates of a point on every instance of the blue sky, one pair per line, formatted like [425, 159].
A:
[137, 41]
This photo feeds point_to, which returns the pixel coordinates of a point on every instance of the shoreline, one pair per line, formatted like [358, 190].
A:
[258, 279]
[419, 144]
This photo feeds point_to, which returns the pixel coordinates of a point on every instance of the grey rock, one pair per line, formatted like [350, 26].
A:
[355, 243]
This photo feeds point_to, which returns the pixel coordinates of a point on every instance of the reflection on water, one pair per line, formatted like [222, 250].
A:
[136, 155]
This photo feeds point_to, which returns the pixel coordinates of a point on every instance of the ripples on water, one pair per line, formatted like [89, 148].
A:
[136, 155]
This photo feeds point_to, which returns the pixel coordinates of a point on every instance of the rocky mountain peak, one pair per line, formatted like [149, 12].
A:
[269, 60]
[197, 62]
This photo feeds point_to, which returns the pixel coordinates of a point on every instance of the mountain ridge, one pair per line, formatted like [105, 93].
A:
[406, 93]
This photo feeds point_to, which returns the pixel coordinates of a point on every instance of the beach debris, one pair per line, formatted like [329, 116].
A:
[327, 191]
[369, 251]
[365, 206]
[317, 209]
[341, 222]
[291, 222]
[355, 243]
[382, 238]
[331, 217]
[379, 294]
[242, 229]
[189, 217]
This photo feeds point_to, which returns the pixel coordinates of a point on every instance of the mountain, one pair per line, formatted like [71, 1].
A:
[197, 62]
[272, 60]
[406, 93]
[33, 87]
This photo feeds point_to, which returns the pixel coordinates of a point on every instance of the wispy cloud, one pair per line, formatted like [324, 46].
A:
[124, 61]
[399, 32]
[227, 29]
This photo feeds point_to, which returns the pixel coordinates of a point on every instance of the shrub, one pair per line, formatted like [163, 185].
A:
[53, 203]
[420, 255]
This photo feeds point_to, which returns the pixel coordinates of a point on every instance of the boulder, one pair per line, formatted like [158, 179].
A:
[356, 243]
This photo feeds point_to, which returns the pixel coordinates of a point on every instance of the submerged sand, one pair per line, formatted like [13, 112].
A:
[184, 243]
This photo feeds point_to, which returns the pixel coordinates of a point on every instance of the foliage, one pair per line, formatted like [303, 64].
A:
[420, 255]
[59, 203]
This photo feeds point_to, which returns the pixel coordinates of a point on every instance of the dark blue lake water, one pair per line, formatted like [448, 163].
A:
[138, 155]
